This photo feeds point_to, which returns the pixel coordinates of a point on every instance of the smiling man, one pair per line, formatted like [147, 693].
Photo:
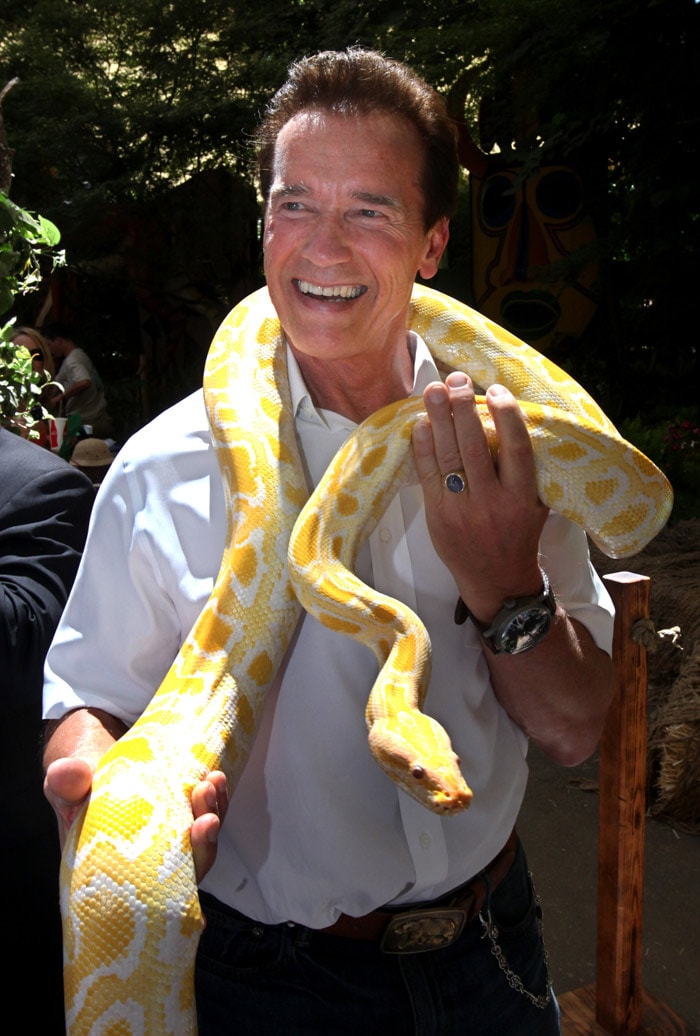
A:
[345, 236]
[335, 903]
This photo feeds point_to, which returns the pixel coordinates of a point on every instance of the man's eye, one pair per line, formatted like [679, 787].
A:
[292, 206]
[370, 213]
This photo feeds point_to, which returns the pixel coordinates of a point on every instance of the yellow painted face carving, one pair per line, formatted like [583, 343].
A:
[523, 231]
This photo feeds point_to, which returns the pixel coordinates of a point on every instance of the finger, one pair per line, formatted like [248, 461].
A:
[468, 414]
[69, 780]
[210, 795]
[439, 400]
[67, 785]
[461, 441]
[209, 806]
[424, 457]
[204, 837]
[516, 461]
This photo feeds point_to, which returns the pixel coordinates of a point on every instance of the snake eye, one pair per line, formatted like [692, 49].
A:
[418, 772]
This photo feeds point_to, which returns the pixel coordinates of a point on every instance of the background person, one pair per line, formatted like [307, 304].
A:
[83, 391]
[93, 457]
[319, 849]
[42, 362]
[44, 511]
[35, 343]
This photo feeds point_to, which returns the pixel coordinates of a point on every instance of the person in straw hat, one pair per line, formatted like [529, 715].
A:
[93, 456]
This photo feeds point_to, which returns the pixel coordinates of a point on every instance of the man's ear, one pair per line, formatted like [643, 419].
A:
[435, 244]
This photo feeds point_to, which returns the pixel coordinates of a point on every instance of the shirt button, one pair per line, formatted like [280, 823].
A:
[425, 840]
[385, 535]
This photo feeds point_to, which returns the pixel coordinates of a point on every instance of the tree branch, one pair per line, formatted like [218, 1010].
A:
[6, 152]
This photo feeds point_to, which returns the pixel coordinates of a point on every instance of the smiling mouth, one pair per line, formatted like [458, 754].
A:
[335, 293]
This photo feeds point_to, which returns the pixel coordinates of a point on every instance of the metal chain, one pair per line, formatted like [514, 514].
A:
[514, 981]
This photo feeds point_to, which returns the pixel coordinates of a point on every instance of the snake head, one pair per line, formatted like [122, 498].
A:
[442, 789]
[421, 761]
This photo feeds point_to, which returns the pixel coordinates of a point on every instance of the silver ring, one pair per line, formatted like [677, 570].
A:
[455, 481]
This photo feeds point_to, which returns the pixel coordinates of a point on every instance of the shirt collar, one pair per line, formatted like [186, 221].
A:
[424, 371]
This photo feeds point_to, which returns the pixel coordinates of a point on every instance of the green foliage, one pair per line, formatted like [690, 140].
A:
[25, 240]
[120, 99]
[117, 100]
[20, 386]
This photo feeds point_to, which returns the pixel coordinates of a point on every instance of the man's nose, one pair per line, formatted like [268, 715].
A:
[328, 241]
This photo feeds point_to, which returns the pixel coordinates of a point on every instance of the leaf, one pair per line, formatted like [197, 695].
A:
[6, 221]
[6, 298]
[51, 235]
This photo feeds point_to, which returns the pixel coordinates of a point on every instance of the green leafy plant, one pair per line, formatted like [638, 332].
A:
[26, 240]
[20, 386]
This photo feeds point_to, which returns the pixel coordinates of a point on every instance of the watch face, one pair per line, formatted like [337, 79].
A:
[525, 630]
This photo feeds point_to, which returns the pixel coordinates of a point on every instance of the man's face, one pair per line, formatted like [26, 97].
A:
[344, 235]
[56, 347]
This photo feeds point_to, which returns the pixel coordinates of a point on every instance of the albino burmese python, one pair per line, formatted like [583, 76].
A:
[128, 895]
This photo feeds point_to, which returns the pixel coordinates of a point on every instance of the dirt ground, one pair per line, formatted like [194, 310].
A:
[559, 827]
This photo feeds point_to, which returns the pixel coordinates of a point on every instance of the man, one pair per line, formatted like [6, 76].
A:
[44, 512]
[318, 850]
[83, 391]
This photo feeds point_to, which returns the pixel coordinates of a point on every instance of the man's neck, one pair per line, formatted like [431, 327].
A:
[349, 387]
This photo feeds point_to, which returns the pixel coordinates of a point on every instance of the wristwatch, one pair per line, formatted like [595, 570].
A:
[521, 623]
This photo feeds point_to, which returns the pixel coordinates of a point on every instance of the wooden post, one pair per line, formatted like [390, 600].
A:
[617, 1004]
[623, 754]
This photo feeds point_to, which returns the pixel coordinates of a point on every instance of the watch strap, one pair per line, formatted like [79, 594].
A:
[511, 606]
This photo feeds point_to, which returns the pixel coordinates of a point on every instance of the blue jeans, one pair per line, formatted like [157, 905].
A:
[287, 980]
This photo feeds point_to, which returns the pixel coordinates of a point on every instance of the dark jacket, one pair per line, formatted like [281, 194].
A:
[45, 507]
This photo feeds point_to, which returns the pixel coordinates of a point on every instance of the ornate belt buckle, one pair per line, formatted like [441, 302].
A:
[417, 931]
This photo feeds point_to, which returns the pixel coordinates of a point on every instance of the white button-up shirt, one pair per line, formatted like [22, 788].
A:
[315, 827]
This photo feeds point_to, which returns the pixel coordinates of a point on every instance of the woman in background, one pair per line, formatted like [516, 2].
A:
[35, 343]
[42, 362]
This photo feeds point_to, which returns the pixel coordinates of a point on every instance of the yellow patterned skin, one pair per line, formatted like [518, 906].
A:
[128, 894]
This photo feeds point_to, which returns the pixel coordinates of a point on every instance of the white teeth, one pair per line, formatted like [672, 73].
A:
[341, 291]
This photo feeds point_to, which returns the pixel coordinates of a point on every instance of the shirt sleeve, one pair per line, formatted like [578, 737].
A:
[565, 556]
[154, 546]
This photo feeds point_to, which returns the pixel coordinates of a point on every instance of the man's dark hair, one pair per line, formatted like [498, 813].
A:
[359, 82]
[59, 329]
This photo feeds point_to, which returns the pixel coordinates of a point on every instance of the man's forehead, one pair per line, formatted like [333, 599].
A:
[326, 122]
[302, 166]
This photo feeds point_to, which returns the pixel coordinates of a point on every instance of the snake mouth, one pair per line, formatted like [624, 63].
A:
[453, 802]
[332, 292]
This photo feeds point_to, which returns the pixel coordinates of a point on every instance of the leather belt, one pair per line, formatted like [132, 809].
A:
[433, 925]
